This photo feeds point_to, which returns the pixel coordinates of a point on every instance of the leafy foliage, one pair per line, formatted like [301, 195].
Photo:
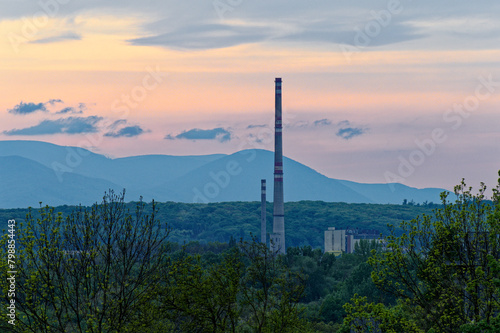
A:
[202, 299]
[443, 265]
[90, 272]
[370, 317]
[270, 291]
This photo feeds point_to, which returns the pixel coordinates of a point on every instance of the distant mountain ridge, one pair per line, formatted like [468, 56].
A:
[34, 171]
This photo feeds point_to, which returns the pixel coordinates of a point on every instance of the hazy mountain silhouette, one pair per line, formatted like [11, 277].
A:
[25, 182]
[129, 172]
[33, 171]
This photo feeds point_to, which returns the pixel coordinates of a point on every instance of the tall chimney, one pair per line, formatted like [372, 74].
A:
[278, 239]
[263, 222]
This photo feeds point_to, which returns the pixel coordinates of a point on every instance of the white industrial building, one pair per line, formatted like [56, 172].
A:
[338, 241]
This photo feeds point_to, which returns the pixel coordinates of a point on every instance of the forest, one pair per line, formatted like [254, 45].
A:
[306, 221]
[118, 267]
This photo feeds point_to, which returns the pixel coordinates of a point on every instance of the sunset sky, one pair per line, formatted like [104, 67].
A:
[373, 91]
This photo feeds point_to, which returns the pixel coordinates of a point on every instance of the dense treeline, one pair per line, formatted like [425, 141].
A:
[117, 267]
[108, 268]
[111, 269]
[306, 221]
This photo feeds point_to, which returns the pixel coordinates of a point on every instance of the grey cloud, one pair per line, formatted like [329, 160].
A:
[343, 123]
[322, 122]
[59, 38]
[197, 24]
[349, 132]
[54, 101]
[327, 23]
[346, 131]
[298, 124]
[129, 131]
[256, 126]
[117, 123]
[278, 8]
[308, 124]
[70, 125]
[342, 129]
[205, 36]
[69, 109]
[395, 33]
[82, 107]
[209, 35]
[119, 129]
[73, 110]
[27, 108]
[220, 134]
[255, 138]
[327, 32]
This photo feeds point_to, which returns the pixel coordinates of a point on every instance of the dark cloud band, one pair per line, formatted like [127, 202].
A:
[220, 134]
[71, 125]
[128, 132]
[27, 108]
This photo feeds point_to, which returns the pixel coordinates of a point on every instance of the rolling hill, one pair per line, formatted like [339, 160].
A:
[33, 171]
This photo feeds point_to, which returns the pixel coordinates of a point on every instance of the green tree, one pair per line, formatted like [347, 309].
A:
[331, 309]
[365, 247]
[199, 298]
[441, 264]
[270, 291]
[245, 289]
[370, 317]
[90, 272]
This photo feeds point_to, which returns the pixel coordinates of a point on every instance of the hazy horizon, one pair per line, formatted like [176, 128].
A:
[373, 91]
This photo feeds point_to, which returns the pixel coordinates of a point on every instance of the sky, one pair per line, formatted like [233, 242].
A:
[373, 91]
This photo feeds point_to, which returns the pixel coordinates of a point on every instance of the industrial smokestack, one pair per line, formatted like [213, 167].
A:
[278, 239]
[263, 230]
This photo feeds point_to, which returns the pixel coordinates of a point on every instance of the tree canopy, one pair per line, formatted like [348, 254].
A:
[443, 269]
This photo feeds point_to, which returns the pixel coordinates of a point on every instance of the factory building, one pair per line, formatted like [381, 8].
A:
[338, 241]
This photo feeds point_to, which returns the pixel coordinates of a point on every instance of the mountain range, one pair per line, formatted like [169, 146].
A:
[32, 172]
